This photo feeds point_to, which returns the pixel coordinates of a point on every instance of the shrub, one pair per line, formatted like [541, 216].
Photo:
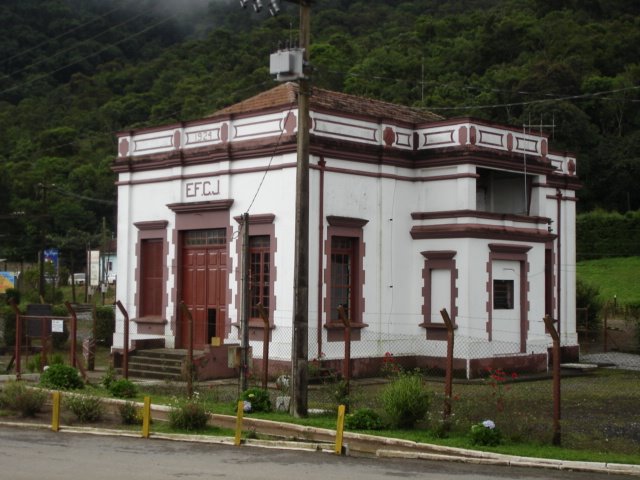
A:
[485, 433]
[61, 377]
[130, 413]
[258, 398]
[108, 378]
[188, 415]
[364, 419]
[9, 324]
[33, 365]
[341, 393]
[17, 397]
[123, 388]
[105, 325]
[85, 408]
[588, 296]
[405, 400]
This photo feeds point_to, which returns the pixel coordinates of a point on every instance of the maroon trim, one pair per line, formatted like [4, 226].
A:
[212, 206]
[472, 230]
[345, 227]
[346, 222]
[479, 214]
[198, 219]
[152, 225]
[260, 219]
[258, 225]
[516, 253]
[438, 260]
[149, 230]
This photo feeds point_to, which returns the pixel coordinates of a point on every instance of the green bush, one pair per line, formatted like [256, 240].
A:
[364, 419]
[15, 396]
[12, 293]
[86, 408]
[130, 413]
[123, 388]
[588, 296]
[485, 433]
[108, 378]
[188, 415]
[9, 324]
[61, 377]
[258, 398]
[406, 400]
[105, 325]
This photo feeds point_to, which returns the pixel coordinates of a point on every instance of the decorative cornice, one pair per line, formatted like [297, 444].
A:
[350, 222]
[509, 248]
[215, 205]
[479, 214]
[261, 219]
[439, 254]
[152, 225]
[472, 230]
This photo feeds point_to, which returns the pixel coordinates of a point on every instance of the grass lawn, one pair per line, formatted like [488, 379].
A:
[619, 277]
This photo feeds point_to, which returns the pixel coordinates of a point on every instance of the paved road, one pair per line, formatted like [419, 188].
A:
[27, 454]
[624, 361]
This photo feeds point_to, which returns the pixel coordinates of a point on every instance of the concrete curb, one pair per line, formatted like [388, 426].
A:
[515, 461]
[438, 453]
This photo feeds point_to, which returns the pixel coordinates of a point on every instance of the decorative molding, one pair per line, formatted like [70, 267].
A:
[349, 222]
[480, 214]
[211, 206]
[260, 219]
[151, 225]
[472, 230]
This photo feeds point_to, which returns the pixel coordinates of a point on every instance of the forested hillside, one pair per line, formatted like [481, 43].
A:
[74, 72]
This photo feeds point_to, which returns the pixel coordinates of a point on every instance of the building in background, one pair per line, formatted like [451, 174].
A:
[410, 214]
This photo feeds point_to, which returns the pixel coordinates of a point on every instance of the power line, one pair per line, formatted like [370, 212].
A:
[44, 42]
[64, 50]
[40, 77]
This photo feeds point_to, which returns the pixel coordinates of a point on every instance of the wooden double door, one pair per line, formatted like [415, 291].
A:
[204, 289]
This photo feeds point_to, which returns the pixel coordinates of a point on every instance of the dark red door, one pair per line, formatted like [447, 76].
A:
[204, 285]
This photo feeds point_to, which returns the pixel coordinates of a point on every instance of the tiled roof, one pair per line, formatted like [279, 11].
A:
[286, 94]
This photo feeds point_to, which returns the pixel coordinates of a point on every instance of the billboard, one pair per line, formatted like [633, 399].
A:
[7, 280]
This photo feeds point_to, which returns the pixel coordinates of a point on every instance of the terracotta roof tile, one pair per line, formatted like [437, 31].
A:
[286, 94]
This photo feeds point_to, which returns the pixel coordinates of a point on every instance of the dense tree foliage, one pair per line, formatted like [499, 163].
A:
[74, 72]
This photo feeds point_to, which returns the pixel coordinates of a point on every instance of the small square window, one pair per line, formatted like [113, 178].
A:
[503, 294]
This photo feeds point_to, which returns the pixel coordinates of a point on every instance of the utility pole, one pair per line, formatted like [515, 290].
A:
[300, 344]
[244, 368]
[293, 65]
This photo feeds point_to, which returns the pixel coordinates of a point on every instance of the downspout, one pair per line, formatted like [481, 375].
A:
[559, 259]
[321, 164]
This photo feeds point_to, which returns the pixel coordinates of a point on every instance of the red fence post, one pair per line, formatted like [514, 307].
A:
[265, 345]
[74, 332]
[549, 323]
[190, 368]
[347, 347]
[18, 345]
[125, 354]
[448, 380]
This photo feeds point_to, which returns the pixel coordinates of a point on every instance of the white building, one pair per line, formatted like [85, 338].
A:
[409, 214]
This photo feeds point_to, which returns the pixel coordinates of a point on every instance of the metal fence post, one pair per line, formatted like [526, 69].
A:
[265, 345]
[448, 380]
[549, 323]
[125, 353]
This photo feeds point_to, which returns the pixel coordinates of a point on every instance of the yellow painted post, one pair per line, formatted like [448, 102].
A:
[55, 415]
[146, 417]
[239, 423]
[340, 429]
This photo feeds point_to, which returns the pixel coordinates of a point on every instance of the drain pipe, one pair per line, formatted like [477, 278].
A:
[559, 266]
